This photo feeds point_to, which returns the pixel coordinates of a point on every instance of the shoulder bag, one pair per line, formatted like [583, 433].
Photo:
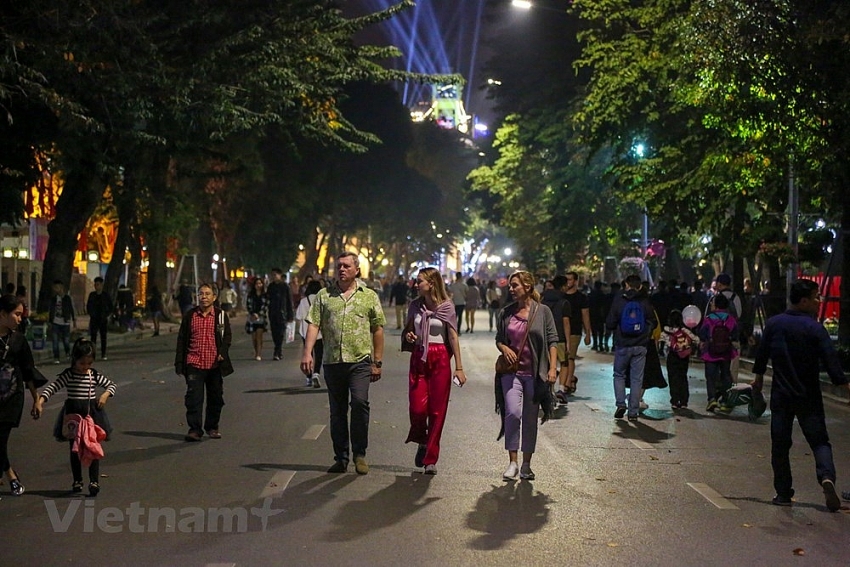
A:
[502, 364]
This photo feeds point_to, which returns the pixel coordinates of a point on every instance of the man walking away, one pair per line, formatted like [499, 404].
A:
[631, 320]
[280, 309]
[458, 291]
[796, 344]
[99, 307]
[202, 358]
[350, 317]
[398, 295]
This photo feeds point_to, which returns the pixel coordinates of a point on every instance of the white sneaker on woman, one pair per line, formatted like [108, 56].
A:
[510, 472]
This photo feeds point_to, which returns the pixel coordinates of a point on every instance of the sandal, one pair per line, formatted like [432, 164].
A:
[571, 388]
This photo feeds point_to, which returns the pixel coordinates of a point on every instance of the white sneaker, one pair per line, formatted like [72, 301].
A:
[643, 405]
[259, 358]
[510, 472]
[315, 381]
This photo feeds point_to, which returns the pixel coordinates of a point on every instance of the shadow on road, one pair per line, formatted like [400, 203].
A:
[385, 508]
[508, 510]
[156, 435]
[289, 391]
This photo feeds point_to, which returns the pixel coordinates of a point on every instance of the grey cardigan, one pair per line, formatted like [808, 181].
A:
[541, 335]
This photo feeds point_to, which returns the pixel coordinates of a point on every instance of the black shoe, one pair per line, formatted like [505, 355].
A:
[77, 487]
[419, 460]
[192, 437]
[94, 488]
[782, 501]
[16, 487]
[277, 357]
[339, 467]
[833, 504]
[619, 413]
[633, 418]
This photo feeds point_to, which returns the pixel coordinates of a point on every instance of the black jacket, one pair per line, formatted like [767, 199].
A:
[280, 301]
[99, 306]
[223, 338]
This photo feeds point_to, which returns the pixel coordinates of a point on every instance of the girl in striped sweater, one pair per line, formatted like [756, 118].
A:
[80, 381]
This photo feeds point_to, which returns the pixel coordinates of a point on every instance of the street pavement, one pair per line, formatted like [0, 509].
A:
[672, 489]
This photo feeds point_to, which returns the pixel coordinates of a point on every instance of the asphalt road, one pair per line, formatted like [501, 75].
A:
[689, 489]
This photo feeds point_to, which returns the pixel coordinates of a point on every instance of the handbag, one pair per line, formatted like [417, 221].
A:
[502, 364]
[70, 424]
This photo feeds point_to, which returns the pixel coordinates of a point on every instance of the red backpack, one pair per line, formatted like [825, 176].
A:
[719, 337]
[681, 343]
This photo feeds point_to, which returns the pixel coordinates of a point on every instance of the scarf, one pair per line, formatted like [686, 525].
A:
[445, 312]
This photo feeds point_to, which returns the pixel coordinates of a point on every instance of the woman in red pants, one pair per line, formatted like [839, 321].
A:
[431, 326]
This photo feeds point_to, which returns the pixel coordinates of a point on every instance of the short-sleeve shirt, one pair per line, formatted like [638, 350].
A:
[346, 324]
[578, 301]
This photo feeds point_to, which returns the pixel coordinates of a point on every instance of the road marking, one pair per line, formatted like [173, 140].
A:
[313, 433]
[642, 445]
[712, 496]
[277, 485]
[163, 369]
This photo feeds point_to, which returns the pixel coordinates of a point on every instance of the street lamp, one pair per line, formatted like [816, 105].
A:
[639, 150]
[522, 4]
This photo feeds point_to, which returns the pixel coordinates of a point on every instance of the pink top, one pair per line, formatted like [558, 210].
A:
[516, 331]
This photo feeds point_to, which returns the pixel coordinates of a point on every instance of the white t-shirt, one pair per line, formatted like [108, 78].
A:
[437, 330]
[458, 291]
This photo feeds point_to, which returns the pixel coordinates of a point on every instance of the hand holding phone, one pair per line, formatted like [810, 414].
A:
[456, 380]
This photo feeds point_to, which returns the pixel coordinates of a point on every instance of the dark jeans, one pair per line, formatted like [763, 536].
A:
[718, 379]
[344, 379]
[196, 381]
[677, 376]
[813, 424]
[98, 327]
[459, 309]
[278, 325]
[61, 332]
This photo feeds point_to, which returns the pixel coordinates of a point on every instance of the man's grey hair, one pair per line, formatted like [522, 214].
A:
[348, 254]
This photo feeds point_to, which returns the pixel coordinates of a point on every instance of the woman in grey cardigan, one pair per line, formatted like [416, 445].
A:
[536, 363]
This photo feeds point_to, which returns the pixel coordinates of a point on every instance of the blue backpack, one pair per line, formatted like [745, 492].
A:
[633, 319]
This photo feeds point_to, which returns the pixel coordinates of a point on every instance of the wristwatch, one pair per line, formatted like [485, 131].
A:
[378, 363]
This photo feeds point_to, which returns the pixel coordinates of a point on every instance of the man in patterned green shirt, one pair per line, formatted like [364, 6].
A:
[350, 317]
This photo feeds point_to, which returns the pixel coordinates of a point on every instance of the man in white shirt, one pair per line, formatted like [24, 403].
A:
[458, 291]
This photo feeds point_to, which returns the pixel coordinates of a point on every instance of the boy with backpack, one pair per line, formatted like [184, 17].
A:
[718, 333]
[680, 342]
[632, 321]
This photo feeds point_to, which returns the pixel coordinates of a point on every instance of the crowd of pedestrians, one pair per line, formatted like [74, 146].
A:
[538, 329]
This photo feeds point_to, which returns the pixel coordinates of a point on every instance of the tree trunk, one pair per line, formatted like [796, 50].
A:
[125, 202]
[82, 191]
[844, 301]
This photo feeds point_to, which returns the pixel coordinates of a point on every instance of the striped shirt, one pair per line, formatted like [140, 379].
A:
[79, 386]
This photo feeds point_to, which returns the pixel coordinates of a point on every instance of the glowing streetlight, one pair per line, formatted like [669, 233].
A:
[522, 4]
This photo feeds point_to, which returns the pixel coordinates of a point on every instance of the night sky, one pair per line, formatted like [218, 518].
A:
[436, 36]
